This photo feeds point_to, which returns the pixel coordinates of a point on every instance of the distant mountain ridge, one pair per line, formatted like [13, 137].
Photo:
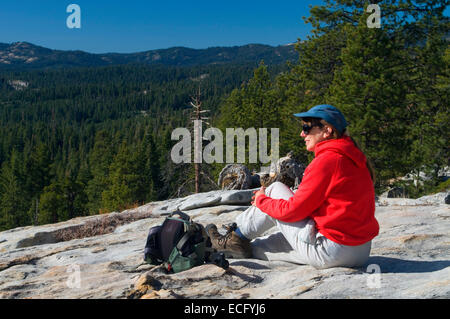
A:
[24, 55]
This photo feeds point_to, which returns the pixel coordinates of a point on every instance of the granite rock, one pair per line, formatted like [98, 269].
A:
[102, 257]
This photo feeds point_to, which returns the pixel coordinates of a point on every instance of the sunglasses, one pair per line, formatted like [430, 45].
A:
[306, 128]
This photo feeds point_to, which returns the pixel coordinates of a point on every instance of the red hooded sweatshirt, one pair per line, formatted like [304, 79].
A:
[336, 192]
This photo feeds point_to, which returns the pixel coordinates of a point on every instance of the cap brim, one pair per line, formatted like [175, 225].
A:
[304, 114]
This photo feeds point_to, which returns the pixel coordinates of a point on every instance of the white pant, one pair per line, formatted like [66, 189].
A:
[297, 242]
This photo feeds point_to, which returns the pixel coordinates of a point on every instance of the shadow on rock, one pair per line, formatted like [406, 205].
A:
[245, 277]
[396, 265]
[249, 264]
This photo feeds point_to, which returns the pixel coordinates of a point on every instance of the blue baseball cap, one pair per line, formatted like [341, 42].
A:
[327, 112]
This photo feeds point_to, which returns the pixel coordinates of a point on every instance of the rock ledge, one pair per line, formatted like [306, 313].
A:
[101, 257]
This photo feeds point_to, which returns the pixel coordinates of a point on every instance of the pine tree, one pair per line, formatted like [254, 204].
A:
[428, 105]
[100, 159]
[152, 181]
[38, 175]
[147, 165]
[370, 89]
[306, 83]
[123, 189]
[255, 105]
[52, 206]
[13, 205]
[63, 199]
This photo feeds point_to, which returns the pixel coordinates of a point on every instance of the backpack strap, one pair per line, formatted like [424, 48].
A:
[177, 251]
[183, 240]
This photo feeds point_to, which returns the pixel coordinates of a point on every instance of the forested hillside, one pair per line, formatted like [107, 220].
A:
[26, 56]
[80, 141]
[84, 141]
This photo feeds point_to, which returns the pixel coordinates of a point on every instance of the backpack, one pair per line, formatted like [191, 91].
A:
[180, 244]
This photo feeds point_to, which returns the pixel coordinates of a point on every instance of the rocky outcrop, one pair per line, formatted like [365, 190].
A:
[102, 257]
[285, 170]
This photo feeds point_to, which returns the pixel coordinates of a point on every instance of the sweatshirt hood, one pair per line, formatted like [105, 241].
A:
[344, 146]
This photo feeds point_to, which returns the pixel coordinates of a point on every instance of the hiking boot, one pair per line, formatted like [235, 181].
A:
[230, 244]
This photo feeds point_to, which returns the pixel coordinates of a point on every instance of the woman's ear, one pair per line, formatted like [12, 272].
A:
[328, 131]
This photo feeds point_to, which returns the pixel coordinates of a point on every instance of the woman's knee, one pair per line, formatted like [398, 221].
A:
[278, 190]
[276, 185]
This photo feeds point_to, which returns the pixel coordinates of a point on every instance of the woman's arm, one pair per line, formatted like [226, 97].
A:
[311, 193]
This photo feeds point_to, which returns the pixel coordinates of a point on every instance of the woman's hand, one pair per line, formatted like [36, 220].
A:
[261, 191]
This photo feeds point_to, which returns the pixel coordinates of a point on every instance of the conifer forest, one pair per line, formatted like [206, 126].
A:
[78, 141]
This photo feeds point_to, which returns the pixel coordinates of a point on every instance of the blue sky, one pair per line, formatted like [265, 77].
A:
[132, 26]
[140, 25]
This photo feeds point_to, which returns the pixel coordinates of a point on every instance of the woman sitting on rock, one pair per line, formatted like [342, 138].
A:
[329, 221]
